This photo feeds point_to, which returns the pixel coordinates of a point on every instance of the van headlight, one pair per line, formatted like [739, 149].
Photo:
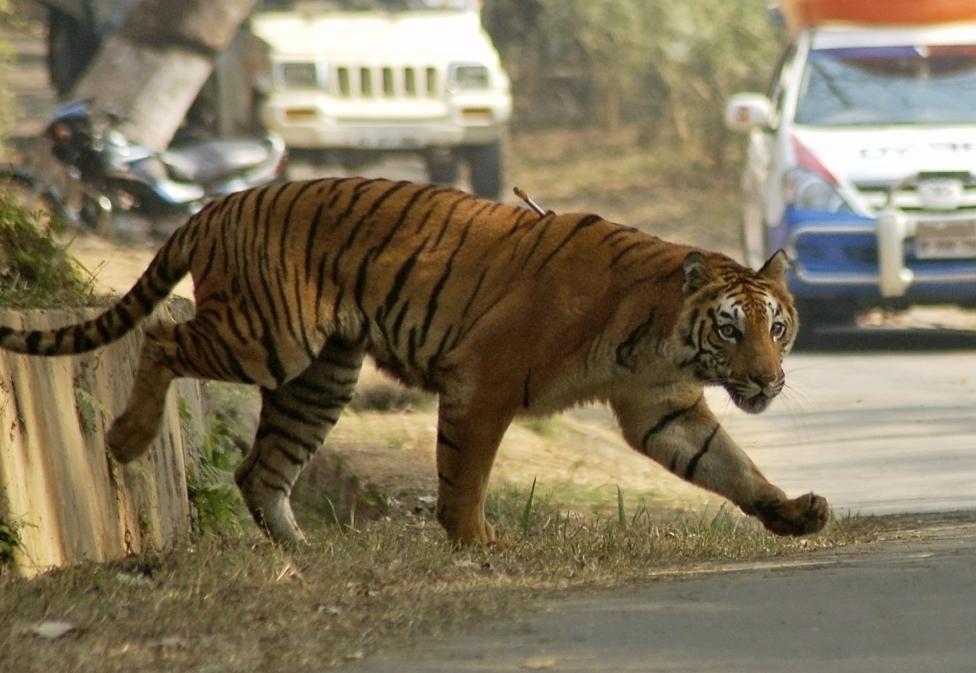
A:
[806, 190]
[468, 77]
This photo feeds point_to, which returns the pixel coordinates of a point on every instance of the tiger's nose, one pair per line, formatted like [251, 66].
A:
[764, 380]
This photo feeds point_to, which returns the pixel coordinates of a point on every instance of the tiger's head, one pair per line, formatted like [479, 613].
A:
[737, 326]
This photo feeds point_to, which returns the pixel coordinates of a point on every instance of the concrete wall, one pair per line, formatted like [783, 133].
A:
[69, 500]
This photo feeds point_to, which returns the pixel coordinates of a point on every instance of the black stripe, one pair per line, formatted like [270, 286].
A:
[477, 289]
[448, 218]
[626, 348]
[286, 229]
[441, 283]
[291, 414]
[271, 430]
[538, 240]
[693, 463]
[442, 439]
[587, 221]
[102, 329]
[616, 258]
[665, 421]
[275, 487]
[33, 340]
[357, 227]
[139, 294]
[212, 256]
[273, 470]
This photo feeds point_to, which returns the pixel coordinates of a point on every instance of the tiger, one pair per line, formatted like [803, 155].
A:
[498, 310]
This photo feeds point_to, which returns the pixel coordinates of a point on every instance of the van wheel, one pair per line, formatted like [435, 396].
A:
[485, 163]
[817, 313]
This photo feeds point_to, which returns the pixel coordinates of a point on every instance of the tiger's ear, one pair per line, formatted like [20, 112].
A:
[776, 266]
[697, 272]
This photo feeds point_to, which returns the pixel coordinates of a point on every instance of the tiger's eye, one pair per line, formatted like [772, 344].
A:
[728, 332]
[778, 330]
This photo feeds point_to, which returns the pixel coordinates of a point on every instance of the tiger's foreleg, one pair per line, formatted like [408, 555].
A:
[686, 438]
[295, 420]
[467, 441]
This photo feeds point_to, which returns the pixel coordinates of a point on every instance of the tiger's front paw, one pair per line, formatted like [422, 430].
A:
[800, 516]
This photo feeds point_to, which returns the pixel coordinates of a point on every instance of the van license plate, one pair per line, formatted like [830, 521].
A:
[948, 239]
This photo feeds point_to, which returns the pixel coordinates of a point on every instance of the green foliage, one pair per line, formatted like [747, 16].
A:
[213, 495]
[666, 66]
[89, 409]
[35, 269]
[9, 543]
[8, 16]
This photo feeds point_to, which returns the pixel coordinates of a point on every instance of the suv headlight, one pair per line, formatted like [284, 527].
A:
[806, 190]
[468, 77]
[301, 75]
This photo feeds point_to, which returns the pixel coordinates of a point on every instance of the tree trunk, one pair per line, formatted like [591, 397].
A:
[151, 70]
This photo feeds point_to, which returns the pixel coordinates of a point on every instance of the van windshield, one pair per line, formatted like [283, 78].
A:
[870, 86]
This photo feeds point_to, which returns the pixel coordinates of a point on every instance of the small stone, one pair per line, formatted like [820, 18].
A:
[53, 630]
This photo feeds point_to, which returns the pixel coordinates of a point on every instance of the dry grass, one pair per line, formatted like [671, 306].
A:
[237, 603]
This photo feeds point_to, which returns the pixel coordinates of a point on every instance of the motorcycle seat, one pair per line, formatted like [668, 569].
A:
[213, 160]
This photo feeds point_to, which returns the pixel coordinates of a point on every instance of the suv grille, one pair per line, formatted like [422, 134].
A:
[387, 81]
[908, 199]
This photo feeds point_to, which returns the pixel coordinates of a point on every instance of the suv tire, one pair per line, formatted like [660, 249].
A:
[485, 163]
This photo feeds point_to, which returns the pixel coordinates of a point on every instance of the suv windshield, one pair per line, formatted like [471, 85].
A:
[889, 85]
[366, 5]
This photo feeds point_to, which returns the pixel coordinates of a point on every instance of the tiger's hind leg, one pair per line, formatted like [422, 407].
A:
[133, 431]
[197, 348]
[295, 419]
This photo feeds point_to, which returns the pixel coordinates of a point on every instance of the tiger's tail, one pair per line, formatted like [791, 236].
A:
[165, 270]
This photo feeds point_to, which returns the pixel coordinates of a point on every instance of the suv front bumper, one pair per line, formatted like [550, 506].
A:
[325, 123]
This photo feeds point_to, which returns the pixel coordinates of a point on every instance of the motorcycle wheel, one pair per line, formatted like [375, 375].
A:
[32, 195]
[96, 213]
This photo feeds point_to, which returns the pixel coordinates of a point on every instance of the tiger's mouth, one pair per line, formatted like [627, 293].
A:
[752, 401]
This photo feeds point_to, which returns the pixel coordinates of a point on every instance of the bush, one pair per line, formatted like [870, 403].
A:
[35, 269]
[667, 67]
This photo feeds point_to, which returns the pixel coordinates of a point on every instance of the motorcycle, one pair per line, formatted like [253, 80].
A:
[111, 179]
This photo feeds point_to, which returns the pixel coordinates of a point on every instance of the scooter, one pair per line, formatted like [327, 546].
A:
[111, 178]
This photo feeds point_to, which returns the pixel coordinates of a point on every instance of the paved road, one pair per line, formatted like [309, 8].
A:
[873, 431]
[877, 422]
[899, 608]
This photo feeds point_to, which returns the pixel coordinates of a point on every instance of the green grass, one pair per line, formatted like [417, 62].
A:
[35, 269]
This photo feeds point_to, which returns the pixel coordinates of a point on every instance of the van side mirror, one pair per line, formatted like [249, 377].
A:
[747, 111]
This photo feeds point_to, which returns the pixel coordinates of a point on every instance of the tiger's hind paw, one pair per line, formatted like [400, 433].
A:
[800, 516]
[128, 439]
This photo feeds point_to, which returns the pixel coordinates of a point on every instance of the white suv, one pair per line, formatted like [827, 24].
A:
[356, 78]
[862, 166]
